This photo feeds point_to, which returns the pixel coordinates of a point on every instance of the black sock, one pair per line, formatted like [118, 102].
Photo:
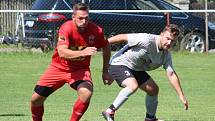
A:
[150, 116]
[112, 107]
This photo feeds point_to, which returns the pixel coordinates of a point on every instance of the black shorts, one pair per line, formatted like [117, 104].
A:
[120, 73]
[46, 91]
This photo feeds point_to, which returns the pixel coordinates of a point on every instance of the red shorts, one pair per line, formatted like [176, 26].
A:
[56, 78]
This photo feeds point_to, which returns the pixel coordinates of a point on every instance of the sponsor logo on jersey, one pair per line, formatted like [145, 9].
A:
[76, 48]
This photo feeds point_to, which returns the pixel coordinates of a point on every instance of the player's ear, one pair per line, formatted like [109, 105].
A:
[73, 14]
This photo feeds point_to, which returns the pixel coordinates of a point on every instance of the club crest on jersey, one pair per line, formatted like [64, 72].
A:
[61, 38]
[91, 39]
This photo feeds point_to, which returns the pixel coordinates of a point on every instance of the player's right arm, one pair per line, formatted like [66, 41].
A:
[118, 39]
[132, 39]
[66, 53]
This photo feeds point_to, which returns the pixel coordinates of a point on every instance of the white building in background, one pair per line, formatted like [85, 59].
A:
[182, 4]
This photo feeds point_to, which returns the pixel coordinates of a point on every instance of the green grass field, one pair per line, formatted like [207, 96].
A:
[19, 73]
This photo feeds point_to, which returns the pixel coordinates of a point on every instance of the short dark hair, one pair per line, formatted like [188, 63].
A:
[173, 29]
[80, 6]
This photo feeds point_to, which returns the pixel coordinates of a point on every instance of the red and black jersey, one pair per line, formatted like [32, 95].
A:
[70, 36]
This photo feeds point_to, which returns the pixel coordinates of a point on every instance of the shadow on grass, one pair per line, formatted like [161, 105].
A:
[1, 115]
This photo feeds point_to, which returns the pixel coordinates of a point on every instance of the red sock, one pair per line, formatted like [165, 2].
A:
[79, 109]
[37, 112]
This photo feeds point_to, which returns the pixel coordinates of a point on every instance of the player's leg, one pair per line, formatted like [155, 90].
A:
[148, 85]
[125, 79]
[50, 81]
[81, 81]
[85, 91]
[37, 101]
[129, 86]
[151, 101]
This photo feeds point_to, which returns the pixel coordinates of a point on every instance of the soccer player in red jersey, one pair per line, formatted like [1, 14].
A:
[78, 40]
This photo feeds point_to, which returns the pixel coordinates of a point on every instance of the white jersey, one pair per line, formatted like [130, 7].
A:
[142, 54]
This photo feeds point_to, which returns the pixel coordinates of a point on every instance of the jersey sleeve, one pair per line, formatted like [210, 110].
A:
[168, 66]
[63, 35]
[102, 42]
[139, 39]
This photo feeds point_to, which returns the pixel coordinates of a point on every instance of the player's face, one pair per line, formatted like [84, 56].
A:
[81, 19]
[167, 40]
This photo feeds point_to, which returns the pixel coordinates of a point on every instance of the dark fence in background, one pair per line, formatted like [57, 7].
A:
[37, 33]
[8, 20]
[201, 6]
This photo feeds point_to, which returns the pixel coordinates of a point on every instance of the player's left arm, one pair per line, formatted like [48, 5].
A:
[175, 82]
[106, 51]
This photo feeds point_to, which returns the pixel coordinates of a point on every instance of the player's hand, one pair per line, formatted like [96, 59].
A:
[185, 102]
[107, 78]
[89, 51]
[186, 105]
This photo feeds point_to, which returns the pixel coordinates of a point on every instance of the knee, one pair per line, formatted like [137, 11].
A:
[85, 92]
[37, 100]
[133, 86]
[154, 91]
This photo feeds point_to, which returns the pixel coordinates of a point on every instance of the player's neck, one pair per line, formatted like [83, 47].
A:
[158, 42]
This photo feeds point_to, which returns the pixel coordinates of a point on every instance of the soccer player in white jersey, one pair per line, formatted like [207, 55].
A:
[143, 52]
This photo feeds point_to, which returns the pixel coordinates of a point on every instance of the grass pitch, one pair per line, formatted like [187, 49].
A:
[19, 73]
